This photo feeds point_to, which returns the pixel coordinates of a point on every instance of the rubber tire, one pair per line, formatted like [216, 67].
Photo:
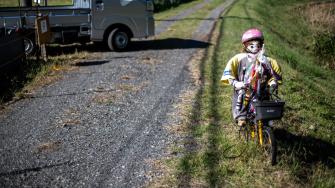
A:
[270, 144]
[29, 46]
[118, 40]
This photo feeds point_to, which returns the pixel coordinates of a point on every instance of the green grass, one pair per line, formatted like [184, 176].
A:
[306, 156]
[59, 2]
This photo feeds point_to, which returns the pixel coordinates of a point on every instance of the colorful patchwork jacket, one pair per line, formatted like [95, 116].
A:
[242, 67]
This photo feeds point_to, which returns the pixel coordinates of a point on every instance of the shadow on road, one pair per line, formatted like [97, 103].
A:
[90, 63]
[34, 169]
[182, 19]
[167, 44]
[140, 45]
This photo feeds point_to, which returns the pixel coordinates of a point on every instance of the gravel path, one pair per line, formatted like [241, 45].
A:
[166, 23]
[102, 123]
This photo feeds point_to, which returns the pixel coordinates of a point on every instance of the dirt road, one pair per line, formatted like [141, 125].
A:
[102, 123]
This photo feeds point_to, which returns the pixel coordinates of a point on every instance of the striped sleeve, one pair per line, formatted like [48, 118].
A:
[276, 71]
[230, 72]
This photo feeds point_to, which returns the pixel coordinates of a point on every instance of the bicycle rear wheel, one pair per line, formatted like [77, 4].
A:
[269, 144]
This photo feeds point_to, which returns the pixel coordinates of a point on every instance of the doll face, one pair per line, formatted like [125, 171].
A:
[253, 46]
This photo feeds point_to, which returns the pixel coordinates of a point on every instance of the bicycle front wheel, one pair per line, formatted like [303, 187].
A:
[269, 144]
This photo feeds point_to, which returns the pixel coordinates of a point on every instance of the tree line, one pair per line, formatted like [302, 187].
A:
[161, 5]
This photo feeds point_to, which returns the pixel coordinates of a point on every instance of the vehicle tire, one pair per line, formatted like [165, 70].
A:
[29, 45]
[270, 145]
[118, 40]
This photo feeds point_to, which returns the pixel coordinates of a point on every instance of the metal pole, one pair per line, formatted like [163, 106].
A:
[20, 24]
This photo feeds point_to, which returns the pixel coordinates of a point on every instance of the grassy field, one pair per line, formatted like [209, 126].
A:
[306, 145]
[213, 154]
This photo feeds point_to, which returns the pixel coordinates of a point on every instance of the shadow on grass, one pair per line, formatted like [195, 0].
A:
[305, 150]
[138, 45]
[190, 144]
[212, 154]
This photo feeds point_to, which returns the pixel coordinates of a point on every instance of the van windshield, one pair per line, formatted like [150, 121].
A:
[53, 2]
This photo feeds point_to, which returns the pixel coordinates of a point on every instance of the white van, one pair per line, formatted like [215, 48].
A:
[114, 22]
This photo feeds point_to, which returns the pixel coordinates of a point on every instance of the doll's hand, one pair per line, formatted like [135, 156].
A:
[239, 85]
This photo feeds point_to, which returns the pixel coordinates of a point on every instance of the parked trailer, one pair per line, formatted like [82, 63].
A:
[113, 22]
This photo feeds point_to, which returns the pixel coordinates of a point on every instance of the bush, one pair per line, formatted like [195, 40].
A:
[161, 5]
[320, 16]
[324, 48]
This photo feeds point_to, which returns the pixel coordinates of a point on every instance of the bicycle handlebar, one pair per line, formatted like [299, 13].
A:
[272, 94]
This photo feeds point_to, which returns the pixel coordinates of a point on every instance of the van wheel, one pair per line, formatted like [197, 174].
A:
[29, 46]
[118, 40]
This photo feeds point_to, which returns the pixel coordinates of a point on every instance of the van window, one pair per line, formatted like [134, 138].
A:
[53, 2]
[82, 4]
[8, 3]
[15, 3]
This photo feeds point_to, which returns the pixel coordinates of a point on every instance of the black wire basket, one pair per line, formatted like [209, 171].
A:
[269, 110]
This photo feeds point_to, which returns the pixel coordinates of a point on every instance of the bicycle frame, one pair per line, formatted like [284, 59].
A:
[260, 131]
[261, 106]
[257, 124]
[256, 130]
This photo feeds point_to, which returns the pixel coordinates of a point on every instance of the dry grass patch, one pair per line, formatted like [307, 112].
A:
[105, 98]
[194, 66]
[48, 75]
[181, 118]
[70, 119]
[132, 87]
[150, 60]
[68, 123]
[321, 16]
[127, 77]
[161, 170]
[49, 147]
[109, 96]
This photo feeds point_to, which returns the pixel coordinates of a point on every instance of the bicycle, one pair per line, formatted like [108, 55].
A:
[261, 112]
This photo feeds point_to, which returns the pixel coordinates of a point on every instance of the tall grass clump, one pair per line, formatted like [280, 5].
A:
[320, 17]
[13, 80]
